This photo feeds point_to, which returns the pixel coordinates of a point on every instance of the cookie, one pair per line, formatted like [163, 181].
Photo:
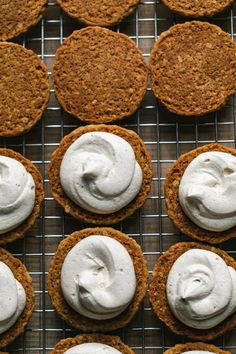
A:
[99, 75]
[171, 192]
[158, 296]
[78, 212]
[99, 12]
[182, 348]
[20, 230]
[193, 68]
[112, 341]
[197, 8]
[24, 89]
[21, 274]
[68, 314]
[16, 17]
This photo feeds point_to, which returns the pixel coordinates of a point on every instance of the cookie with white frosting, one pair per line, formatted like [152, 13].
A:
[17, 297]
[21, 195]
[100, 174]
[200, 193]
[88, 277]
[92, 343]
[195, 348]
[193, 290]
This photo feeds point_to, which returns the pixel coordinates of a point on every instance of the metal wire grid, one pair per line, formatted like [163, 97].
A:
[166, 137]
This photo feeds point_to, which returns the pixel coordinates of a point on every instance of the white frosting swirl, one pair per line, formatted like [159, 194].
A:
[99, 172]
[207, 191]
[201, 289]
[17, 194]
[12, 298]
[95, 275]
[92, 348]
[198, 352]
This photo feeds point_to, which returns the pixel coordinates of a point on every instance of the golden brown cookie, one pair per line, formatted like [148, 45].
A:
[99, 75]
[112, 341]
[77, 212]
[54, 289]
[197, 8]
[181, 348]
[98, 12]
[24, 89]
[174, 209]
[21, 274]
[16, 17]
[193, 68]
[158, 297]
[20, 231]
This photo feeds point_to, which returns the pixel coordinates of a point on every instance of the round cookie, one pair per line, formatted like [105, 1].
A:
[20, 231]
[174, 209]
[193, 68]
[21, 274]
[158, 297]
[98, 12]
[112, 341]
[99, 75]
[24, 89]
[69, 315]
[199, 346]
[16, 17]
[197, 8]
[76, 211]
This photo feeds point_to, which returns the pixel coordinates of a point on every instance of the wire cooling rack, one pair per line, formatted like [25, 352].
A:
[166, 137]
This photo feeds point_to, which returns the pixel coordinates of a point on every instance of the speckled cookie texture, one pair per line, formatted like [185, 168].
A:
[16, 17]
[174, 209]
[142, 156]
[98, 12]
[158, 297]
[20, 231]
[22, 275]
[66, 312]
[181, 348]
[99, 75]
[197, 8]
[193, 68]
[112, 341]
[24, 89]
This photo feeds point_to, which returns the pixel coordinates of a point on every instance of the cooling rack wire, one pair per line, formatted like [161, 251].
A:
[165, 136]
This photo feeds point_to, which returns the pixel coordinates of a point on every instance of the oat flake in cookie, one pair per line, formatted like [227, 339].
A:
[24, 89]
[197, 8]
[99, 75]
[17, 16]
[193, 68]
[98, 12]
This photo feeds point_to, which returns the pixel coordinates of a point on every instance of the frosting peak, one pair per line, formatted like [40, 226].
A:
[12, 298]
[207, 191]
[92, 348]
[99, 172]
[201, 289]
[94, 277]
[17, 194]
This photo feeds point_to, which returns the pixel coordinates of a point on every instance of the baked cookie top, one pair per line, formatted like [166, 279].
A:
[99, 75]
[193, 68]
[199, 346]
[71, 316]
[197, 8]
[16, 17]
[112, 341]
[98, 12]
[24, 89]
